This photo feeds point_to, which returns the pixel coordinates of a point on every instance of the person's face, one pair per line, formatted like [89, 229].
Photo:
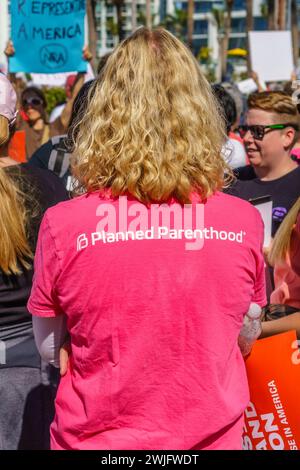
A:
[32, 105]
[272, 148]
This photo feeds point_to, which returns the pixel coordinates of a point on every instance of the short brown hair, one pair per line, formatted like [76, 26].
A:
[277, 102]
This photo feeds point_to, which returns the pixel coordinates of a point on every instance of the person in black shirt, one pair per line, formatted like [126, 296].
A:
[26, 386]
[269, 135]
[55, 154]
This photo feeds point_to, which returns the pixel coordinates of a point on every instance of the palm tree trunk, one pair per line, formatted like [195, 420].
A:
[148, 14]
[227, 30]
[282, 14]
[91, 18]
[190, 23]
[119, 4]
[249, 27]
[271, 15]
[295, 33]
[133, 15]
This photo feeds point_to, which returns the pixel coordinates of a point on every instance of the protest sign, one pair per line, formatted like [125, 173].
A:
[48, 37]
[247, 86]
[272, 418]
[271, 55]
[264, 205]
[58, 79]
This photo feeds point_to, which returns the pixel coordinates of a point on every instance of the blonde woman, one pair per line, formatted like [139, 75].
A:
[26, 403]
[149, 267]
[283, 313]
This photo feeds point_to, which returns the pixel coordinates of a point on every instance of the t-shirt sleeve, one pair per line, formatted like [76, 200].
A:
[43, 300]
[259, 296]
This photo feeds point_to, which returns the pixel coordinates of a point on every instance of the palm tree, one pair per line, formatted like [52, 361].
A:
[119, 4]
[249, 27]
[190, 23]
[112, 27]
[218, 16]
[271, 14]
[227, 31]
[295, 33]
[91, 18]
[281, 14]
[148, 14]
[176, 23]
[133, 15]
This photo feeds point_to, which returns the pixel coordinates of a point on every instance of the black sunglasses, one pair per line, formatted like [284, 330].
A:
[32, 102]
[258, 132]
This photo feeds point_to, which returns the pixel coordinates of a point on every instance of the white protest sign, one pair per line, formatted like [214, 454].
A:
[247, 86]
[58, 79]
[271, 55]
[51, 80]
[264, 205]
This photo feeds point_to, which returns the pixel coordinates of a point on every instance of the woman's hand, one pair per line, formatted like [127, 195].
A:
[9, 51]
[86, 54]
[64, 354]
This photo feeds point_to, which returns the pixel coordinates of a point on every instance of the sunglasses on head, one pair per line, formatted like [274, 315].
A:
[32, 101]
[258, 131]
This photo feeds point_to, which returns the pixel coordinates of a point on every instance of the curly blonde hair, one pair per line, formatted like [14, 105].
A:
[153, 128]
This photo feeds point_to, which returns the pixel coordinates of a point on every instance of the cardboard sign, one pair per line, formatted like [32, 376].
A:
[272, 419]
[271, 55]
[264, 205]
[247, 86]
[48, 37]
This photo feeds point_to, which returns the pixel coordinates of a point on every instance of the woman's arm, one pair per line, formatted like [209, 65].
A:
[281, 325]
[50, 334]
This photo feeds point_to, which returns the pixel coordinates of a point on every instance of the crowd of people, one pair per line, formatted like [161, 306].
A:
[130, 255]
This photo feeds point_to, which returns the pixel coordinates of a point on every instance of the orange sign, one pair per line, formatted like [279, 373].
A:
[272, 419]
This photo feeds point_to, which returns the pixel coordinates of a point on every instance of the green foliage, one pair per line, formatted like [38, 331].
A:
[176, 23]
[112, 27]
[218, 14]
[239, 76]
[210, 74]
[54, 96]
[141, 17]
[264, 10]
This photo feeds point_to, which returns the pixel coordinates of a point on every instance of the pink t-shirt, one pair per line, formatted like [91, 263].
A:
[154, 317]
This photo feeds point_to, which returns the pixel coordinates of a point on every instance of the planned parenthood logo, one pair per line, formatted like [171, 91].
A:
[134, 221]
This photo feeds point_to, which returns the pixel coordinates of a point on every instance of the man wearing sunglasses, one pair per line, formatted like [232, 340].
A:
[271, 129]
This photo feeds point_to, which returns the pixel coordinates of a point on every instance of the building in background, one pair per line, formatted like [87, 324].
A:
[106, 18]
[205, 27]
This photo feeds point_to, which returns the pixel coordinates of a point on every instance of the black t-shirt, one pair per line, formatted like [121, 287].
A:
[44, 190]
[245, 173]
[284, 192]
[54, 155]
